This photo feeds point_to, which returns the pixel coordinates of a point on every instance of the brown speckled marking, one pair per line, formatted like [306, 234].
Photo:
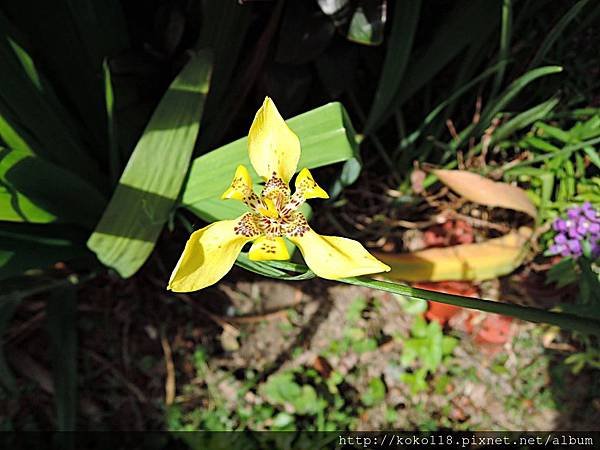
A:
[247, 226]
[268, 247]
[289, 223]
[297, 227]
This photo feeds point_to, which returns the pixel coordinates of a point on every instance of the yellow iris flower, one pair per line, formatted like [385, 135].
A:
[274, 152]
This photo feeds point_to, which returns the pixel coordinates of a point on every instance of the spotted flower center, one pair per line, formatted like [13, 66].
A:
[274, 212]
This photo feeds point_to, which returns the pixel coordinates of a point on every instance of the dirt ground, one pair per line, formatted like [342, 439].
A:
[138, 362]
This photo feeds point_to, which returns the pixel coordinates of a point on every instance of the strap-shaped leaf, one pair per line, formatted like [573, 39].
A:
[25, 195]
[152, 179]
[62, 330]
[32, 116]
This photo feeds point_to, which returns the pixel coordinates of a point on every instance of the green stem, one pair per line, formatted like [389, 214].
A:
[562, 320]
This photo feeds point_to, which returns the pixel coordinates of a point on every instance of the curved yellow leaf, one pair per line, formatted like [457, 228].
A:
[480, 261]
[484, 191]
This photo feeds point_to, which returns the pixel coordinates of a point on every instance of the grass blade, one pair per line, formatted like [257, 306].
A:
[520, 121]
[70, 39]
[224, 30]
[410, 139]
[498, 105]
[470, 21]
[557, 32]
[61, 324]
[14, 206]
[505, 35]
[400, 43]
[152, 179]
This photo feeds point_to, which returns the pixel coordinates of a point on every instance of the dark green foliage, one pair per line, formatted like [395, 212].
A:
[84, 84]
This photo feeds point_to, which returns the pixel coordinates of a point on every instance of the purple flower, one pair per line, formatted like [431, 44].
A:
[560, 225]
[592, 215]
[582, 225]
[574, 246]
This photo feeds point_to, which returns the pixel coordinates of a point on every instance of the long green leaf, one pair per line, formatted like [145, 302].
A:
[70, 39]
[326, 137]
[557, 32]
[505, 35]
[224, 29]
[152, 179]
[35, 190]
[14, 206]
[399, 46]
[62, 330]
[28, 102]
[470, 21]
[503, 100]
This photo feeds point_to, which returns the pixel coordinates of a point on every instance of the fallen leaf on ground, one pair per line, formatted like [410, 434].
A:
[481, 261]
[484, 191]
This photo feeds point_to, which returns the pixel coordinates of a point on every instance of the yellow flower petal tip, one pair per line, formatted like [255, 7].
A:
[240, 186]
[334, 257]
[308, 187]
[208, 255]
[273, 148]
[269, 249]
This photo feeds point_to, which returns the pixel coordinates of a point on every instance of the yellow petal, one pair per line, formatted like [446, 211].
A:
[269, 249]
[208, 255]
[335, 257]
[273, 148]
[268, 208]
[308, 187]
[241, 186]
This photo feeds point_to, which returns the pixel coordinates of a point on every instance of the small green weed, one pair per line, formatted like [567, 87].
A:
[426, 348]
